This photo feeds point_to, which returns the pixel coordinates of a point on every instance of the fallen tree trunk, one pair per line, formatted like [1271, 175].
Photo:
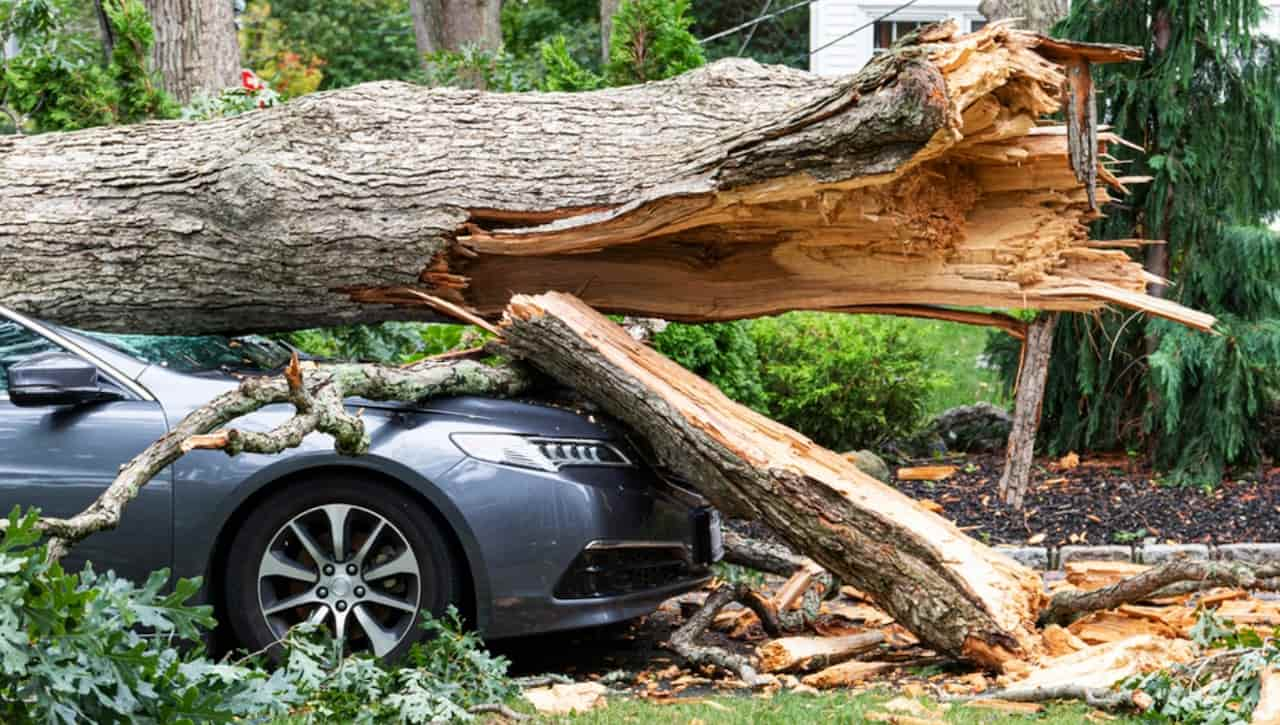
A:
[953, 592]
[735, 190]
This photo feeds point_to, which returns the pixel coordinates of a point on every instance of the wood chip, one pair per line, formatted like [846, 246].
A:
[926, 473]
[846, 673]
[567, 699]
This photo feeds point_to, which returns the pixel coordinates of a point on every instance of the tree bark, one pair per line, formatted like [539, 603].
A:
[735, 190]
[456, 24]
[1033, 374]
[954, 593]
[196, 49]
[608, 8]
[1036, 15]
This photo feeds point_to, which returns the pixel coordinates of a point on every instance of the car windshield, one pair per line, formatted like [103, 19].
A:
[202, 353]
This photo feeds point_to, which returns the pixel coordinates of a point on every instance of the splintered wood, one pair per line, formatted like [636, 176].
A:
[924, 182]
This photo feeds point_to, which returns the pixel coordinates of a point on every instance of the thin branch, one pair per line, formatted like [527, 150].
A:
[1067, 606]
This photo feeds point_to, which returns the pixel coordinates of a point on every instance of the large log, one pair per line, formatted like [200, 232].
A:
[954, 593]
[734, 190]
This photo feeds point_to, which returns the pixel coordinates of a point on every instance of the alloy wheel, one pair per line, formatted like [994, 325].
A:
[345, 567]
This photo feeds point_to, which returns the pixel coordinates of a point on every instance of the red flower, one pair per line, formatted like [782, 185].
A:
[251, 81]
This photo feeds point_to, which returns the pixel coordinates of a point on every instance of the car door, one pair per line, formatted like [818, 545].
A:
[60, 458]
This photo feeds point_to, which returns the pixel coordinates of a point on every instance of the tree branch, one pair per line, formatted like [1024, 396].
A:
[318, 396]
[1065, 607]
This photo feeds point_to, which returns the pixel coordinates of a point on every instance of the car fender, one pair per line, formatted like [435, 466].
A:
[289, 467]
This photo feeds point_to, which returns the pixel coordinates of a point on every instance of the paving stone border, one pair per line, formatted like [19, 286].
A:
[1055, 557]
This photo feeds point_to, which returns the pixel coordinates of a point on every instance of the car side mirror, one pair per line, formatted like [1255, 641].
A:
[55, 378]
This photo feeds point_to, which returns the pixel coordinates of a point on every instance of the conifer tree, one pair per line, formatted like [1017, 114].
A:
[1204, 105]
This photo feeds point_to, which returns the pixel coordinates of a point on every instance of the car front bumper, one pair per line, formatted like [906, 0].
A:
[581, 547]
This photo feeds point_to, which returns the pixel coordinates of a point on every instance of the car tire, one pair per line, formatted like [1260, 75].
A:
[371, 591]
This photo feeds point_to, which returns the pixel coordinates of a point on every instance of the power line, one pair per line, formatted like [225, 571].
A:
[752, 32]
[757, 21]
[753, 23]
[864, 26]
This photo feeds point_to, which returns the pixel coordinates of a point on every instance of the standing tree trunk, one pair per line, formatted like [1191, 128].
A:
[732, 191]
[456, 24]
[608, 8]
[196, 49]
[1036, 15]
[1033, 373]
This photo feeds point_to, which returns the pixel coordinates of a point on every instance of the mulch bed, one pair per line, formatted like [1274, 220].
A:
[1103, 500]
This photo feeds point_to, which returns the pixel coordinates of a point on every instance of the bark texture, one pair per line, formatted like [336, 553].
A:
[456, 24]
[196, 49]
[608, 8]
[954, 593]
[735, 190]
[1033, 375]
[1035, 15]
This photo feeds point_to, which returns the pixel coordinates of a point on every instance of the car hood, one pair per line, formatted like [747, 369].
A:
[181, 393]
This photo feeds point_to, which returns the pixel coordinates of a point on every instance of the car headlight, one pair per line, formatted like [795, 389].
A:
[544, 454]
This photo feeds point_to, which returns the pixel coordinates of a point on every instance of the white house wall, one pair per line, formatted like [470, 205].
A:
[831, 19]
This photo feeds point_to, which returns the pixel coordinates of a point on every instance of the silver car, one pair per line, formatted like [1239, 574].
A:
[529, 517]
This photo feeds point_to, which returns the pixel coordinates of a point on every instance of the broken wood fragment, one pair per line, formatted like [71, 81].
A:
[925, 473]
[798, 654]
[1267, 711]
[1033, 374]
[845, 674]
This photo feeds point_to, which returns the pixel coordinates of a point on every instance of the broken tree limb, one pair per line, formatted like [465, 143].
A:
[1068, 605]
[1033, 374]
[317, 394]
[954, 593]
[684, 640]
[799, 654]
[732, 191]
[765, 556]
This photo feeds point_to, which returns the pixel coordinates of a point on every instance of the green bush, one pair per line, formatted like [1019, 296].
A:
[721, 352]
[846, 381]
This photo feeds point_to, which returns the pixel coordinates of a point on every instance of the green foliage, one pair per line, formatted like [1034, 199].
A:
[57, 81]
[356, 40]
[388, 342]
[563, 72]
[847, 381]
[651, 41]
[478, 68]
[1206, 694]
[91, 647]
[439, 680]
[1203, 103]
[723, 353]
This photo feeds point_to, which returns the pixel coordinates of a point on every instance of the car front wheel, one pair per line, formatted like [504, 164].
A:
[356, 556]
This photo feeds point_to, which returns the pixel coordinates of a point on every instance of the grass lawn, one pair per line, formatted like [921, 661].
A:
[959, 347]
[785, 708]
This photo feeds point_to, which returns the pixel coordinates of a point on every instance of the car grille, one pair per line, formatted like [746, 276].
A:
[608, 570]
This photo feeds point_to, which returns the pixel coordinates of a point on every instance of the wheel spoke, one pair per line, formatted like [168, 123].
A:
[340, 625]
[318, 615]
[382, 640]
[374, 597]
[368, 543]
[311, 545]
[276, 563]
[290, 603]
[337, 515]
[403, 563]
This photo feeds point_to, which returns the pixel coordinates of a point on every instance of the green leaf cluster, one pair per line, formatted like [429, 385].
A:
[58, 80]
[388, 342]
[1212, 695]
[92, 647]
